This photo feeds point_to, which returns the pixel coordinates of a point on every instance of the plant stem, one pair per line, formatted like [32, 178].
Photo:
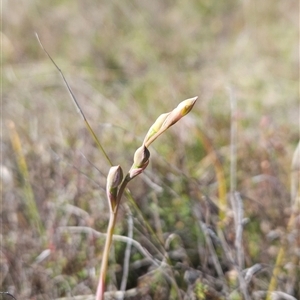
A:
[109, 237]
[105, 257]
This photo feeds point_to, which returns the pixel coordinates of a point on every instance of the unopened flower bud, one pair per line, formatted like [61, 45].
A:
[166, 120]
[180, 111]
[186, 106]
[140, 162]
[141, 157]
[154, 129]
[114, 178]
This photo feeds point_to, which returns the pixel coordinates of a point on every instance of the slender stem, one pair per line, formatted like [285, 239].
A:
[109, 237]
[105, 257]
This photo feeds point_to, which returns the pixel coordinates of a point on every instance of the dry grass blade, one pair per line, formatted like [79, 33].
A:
[291, 223]
[210, 246]
[233, 155]
[80, 111]
[250, 272]
[295, 178]
[8, 294]
[108, 295]
[32, 210]
[222, 190]
[124, 239]
[239, 230]
[276, 295]
[127, 251]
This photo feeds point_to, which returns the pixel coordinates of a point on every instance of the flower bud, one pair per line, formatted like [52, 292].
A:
[140, 162]
[166, 120]
[114, 178]
[141, 157]
[151, 135]
[186, 106]
[180, 111]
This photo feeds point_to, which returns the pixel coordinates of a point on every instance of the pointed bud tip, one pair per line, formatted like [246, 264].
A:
[186, 106]
[194, 99]
[114, 177]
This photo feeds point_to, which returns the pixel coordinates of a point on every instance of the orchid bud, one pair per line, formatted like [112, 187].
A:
[177, 113]
[151, 135]
[114, 179]
[140, 162]
[166, 120]
[141, 157]
[187, 105]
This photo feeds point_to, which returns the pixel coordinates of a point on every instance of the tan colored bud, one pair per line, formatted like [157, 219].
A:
[151, 135]
[114, 179]
[187, 105]
[166, 120]
[140, 162]
[141, 157]
[177, 113]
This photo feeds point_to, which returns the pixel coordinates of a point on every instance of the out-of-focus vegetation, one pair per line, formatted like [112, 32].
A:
[127, 62]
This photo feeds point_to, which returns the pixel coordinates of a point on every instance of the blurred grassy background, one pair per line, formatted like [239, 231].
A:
[127, 62]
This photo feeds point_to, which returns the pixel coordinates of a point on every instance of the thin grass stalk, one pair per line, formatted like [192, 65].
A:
[295, 178]
[235, 199]
[222, 190]
[279, 260]
[8, 294]
[233, 155]
[78, 108]
[127, 253]
[166, 261]
[217, 265]
[32, 210]
[295, 194]
[148, 226]
[157, 222]
[239, 245]
[119, 238]
[230, 257]
[239, 231]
